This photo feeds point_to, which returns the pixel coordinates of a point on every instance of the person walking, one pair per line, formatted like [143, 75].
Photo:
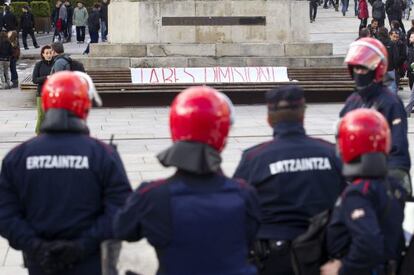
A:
[378, 12]
[14, 40]
[69, 22]
[363, 13]
[392, 59]
[296, 177]
[93, 27]
[40, 74]
[104, 19]
[6, 52]
[199, 221]
[365, 234]
[63, 17]
[27, 26]
[60, 190]
[345, 4]
[80, 19]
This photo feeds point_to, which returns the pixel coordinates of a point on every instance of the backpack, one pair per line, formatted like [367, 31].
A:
[308, 251]
[75, 65]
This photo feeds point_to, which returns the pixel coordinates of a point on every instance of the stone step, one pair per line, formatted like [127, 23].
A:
[211, 50]
[153, 62]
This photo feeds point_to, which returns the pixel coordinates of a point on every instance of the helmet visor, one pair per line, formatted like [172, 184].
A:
[93, 94]
[364, 54]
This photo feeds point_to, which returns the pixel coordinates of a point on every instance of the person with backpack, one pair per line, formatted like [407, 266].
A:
[296, 177]
[394, 9]
[61, 61]
[198, 220]
[378, 12]
[27, 26]
[365, 234]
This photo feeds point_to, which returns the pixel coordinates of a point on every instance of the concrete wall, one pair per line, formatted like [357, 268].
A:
[141, 21]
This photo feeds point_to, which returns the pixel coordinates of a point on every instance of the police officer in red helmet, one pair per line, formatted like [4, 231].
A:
[365, 235]
[60, 190]
[199, 221]
[367, 61]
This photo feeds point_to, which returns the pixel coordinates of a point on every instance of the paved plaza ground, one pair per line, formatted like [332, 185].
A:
[143, 132]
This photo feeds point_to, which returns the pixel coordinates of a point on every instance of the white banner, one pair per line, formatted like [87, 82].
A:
[209, 75]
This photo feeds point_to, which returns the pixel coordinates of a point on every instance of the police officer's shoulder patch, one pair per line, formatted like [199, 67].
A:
[357, 214]
[396, 121]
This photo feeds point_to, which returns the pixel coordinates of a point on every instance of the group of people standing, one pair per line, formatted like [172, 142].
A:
[64, 16]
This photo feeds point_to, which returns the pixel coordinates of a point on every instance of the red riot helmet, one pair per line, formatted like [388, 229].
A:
[72, 91]
[201, 114]
[370, 53]
[361, 132]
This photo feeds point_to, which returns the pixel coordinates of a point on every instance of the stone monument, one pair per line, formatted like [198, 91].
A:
[200, 33]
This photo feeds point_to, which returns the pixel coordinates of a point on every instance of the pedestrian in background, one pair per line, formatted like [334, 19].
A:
[373, 28]
[345, 4]
[9, 19]
[378, 12]
[104, 19]
[393, 57]
[5, 56]
[40, 73]
[57, 22]
[14, 40]
[93, 26]
[69, 10]
[363, 13]
[313, 9]
[80, 19]
[27, 27]
[394, 9]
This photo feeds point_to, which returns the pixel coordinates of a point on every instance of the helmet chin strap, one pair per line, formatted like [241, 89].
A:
[363, 81]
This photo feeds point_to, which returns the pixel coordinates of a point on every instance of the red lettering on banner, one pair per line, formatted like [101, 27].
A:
[247, 71]
[168, 78]
[175, 75]
[240, 74]
[142, 75]
[226, 74]
[154, 73]
[192, 76]
[216, 75]
[260, 74]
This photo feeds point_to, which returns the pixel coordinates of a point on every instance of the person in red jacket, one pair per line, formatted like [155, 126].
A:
[363, 13]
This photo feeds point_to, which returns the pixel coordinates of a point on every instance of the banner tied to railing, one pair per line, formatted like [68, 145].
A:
[209, 75]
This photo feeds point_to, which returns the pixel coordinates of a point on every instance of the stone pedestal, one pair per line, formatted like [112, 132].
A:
[207, 33]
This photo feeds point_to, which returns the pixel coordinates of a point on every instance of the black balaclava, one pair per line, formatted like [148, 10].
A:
[363, 81]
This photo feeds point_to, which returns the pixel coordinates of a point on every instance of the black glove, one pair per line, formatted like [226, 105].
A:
[56, 256]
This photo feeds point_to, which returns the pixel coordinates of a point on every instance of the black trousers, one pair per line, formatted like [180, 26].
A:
[277, 259]
[313, 9]
[80, 34]
[30, 32]
[363, 23]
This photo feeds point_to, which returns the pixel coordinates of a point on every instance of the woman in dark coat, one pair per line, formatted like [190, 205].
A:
[40, 73]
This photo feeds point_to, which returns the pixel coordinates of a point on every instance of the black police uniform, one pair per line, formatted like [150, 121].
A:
[390, 106]
[365, 232]
[61, 187]
[199, 221]
[296, 177]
